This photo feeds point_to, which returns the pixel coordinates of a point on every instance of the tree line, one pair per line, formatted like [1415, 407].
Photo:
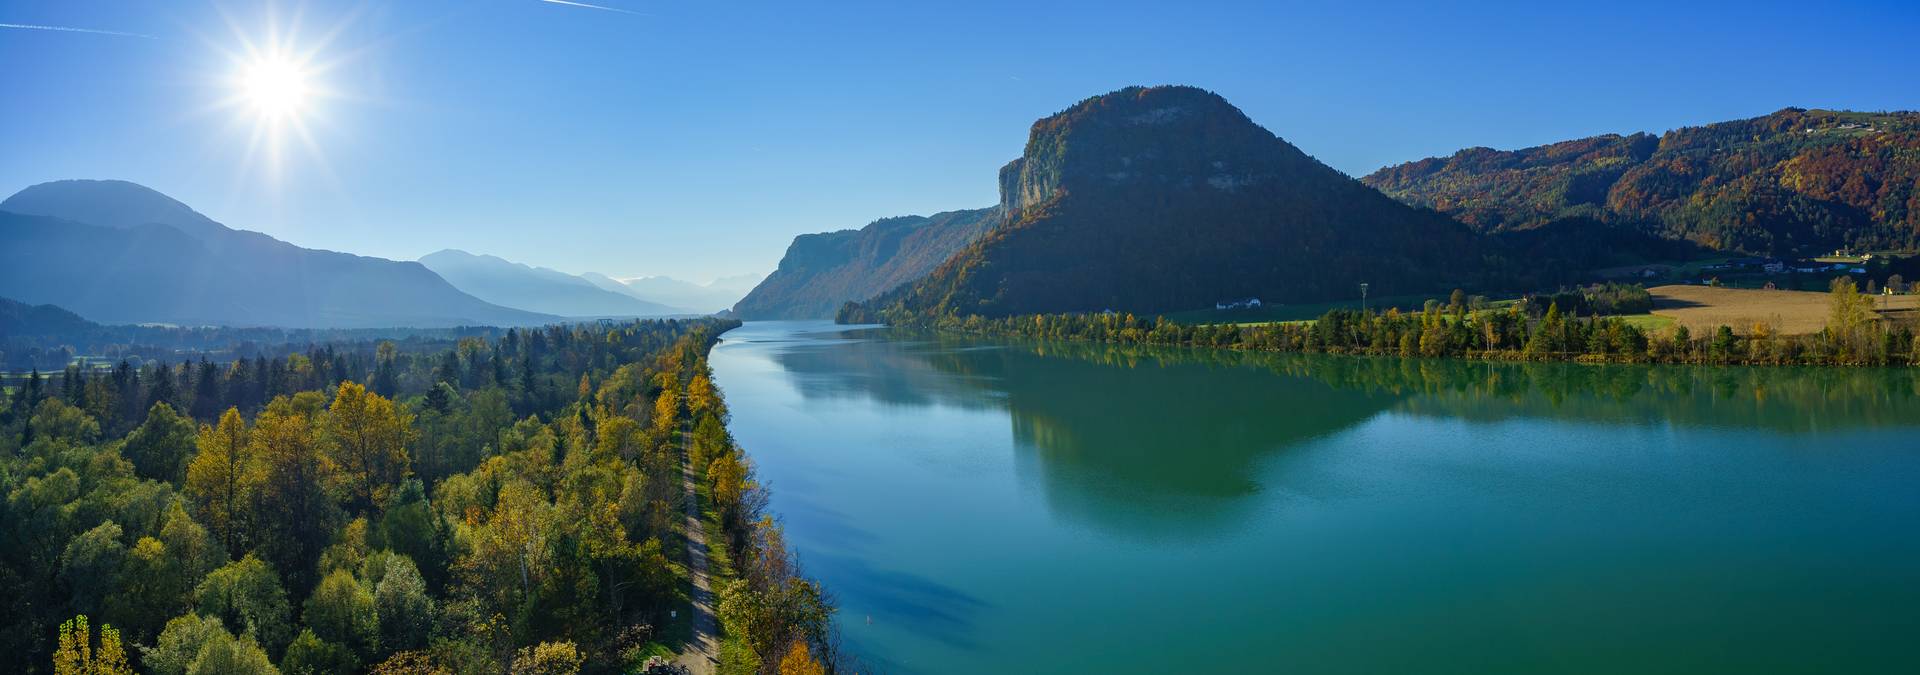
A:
[1535, 329]
[482, 505]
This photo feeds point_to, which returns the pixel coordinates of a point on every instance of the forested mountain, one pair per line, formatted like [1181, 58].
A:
[19, 318]
[820, 272]
[708, 297]
[1169, 198]
[536, 289]
[117, 252]
[1796, 181]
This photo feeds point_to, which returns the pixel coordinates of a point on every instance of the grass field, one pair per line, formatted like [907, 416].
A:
[1703, 308]
[1699, 308]
[1651, 324]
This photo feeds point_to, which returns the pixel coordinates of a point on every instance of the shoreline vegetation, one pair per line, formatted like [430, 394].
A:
[511, 502]
[1586, 325]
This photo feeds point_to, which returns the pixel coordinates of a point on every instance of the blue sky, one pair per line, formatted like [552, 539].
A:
[694, 139]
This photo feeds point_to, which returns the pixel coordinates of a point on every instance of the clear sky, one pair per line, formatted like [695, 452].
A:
[694, 139]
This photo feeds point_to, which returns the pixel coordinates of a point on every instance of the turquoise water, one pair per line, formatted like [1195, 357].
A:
[981, 506]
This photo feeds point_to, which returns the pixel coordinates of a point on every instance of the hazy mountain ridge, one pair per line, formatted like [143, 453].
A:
[821, 272]
[156, 260]
[1169, 198]
[712, 296]
[1795, 181]
[21, 319]
[511, 284]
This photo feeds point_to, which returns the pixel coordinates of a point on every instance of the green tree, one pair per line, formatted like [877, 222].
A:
[247, 595]
[160, 446]
[157, 580]
[290, 492]
[409, 527]
[180, 642]
[341, 611]
[404, 609]
[310, 655]
[90, 566]
[548, 658]
[223, 654]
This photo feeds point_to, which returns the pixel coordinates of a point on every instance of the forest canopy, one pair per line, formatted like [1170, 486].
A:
[472, 505]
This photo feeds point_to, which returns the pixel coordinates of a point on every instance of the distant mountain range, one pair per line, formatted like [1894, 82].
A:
[821, 272]
[710, 297]
[1169, 198]
[1793, 182]
[521, 286]
[117, 252]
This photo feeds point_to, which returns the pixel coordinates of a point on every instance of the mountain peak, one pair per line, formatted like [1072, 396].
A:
[1157, 199]
[1145, 106]
[110, 203]
[1146, 138]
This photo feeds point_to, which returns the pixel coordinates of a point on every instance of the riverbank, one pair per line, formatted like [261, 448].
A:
[1853, 335]
[753, 608]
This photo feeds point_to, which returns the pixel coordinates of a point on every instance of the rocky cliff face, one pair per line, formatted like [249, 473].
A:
[1168, 198]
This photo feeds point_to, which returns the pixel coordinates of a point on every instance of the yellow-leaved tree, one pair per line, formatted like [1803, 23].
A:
[366, 439]
[221, 477]
[799, 661]
[666, 413]
[77, 654]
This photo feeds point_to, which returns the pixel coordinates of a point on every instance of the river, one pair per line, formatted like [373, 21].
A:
[1002, 506]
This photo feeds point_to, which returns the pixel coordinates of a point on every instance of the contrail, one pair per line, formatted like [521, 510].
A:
[582, 4]
[70, 29]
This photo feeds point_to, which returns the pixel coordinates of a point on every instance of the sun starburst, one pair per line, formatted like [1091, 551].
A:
[275, 89]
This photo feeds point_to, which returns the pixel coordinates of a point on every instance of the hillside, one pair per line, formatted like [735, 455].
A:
[1793, 182]
[21, 319]
[151, 259]
[536, 289]
[1169, 198]
[821, 272]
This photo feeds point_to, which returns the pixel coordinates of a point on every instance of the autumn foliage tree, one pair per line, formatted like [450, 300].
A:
[366, 439]
[78, 655]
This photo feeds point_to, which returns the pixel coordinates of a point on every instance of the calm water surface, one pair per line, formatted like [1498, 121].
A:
[981, 506]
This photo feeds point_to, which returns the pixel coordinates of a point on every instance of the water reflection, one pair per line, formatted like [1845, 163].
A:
[1165, 451]
[1791, 400]
[1169, 442]
[978, 503]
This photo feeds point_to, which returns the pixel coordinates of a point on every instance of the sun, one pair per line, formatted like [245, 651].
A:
[274, 87]
[273, 84]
